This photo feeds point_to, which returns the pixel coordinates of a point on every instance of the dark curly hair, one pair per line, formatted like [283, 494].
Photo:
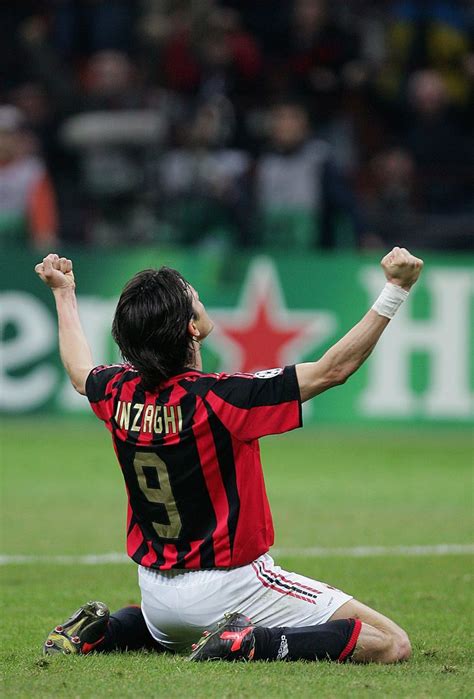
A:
[150, 325]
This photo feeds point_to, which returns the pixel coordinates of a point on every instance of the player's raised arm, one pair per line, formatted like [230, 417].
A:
[402, 269]
[76, 356]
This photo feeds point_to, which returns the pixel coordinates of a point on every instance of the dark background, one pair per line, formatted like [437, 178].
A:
[298, 124]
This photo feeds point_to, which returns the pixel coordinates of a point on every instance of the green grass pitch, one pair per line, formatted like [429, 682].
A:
[62, 493]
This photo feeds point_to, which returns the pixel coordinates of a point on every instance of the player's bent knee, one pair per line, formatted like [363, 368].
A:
[398, 648]
[377, 645]
[403, 646]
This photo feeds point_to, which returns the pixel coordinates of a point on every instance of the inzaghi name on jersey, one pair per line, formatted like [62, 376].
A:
[151, 419]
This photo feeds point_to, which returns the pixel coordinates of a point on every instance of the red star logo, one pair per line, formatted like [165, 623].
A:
[262, 333]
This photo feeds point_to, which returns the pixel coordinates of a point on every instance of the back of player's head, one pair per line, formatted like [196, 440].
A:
[150, 325]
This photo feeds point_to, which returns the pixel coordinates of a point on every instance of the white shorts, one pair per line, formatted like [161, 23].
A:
[179, 604]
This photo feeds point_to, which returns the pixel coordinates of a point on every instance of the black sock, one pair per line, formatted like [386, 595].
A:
[127, 630]
[334, 640]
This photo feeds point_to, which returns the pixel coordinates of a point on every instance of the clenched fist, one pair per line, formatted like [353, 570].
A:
[56, 272]
[401, 267]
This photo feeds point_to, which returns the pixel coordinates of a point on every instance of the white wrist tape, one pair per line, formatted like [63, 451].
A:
[390, 299]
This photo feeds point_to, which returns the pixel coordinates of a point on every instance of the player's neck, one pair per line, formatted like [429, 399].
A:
[196, 362]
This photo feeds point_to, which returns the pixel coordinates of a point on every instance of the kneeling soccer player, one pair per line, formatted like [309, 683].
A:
[199, 524]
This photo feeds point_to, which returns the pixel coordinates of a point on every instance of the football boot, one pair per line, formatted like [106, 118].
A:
[232, 639]
[81, 633]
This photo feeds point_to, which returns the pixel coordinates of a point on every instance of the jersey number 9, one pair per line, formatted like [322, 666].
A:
[150, 468]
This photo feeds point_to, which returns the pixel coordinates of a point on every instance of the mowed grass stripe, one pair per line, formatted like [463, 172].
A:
[315, 552]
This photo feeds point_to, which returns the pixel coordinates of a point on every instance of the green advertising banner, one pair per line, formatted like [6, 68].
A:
[268, 311]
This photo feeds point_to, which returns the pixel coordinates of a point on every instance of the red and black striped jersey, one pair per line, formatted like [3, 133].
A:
[190, 458]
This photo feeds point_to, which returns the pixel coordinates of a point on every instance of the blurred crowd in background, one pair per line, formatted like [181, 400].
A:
[294, 124]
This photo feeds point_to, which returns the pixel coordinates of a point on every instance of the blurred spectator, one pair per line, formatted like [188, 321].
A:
[435, 137]
[300, 192]
[32, 101]
[204, 183]
[390, 203]
[212, 55]
[27, 200]
[117, 135]
[394, 208]
[318, 48]
[313, 56]
[423, 34]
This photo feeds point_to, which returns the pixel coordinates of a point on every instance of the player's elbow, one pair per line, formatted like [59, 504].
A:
[337, 371]
[338, 375]
[344, 371]
[339, 378]
[315, 378]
